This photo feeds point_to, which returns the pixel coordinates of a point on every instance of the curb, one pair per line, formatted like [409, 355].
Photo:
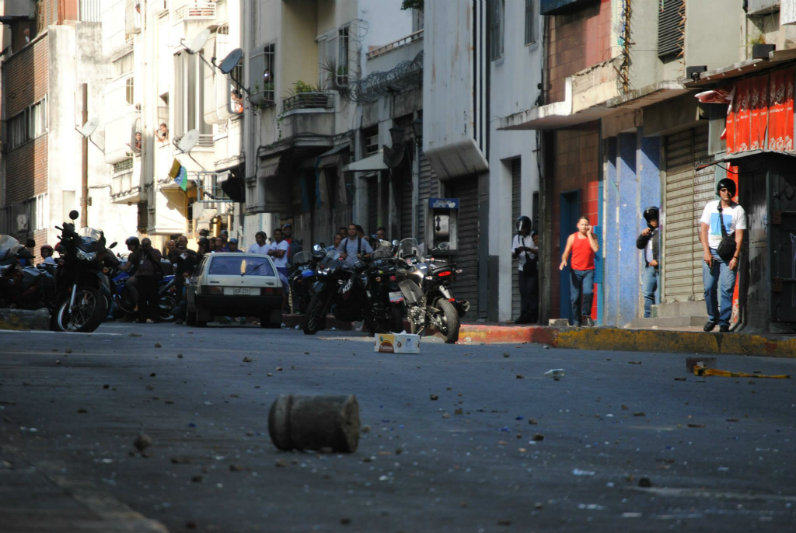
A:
[633, 340]
[23, 319]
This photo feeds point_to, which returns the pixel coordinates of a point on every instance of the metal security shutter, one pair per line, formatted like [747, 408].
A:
[373, 203]
[685, 196]
[466, 285]
[671, 28]
[515, 212]
[428, 187]
[405, 204]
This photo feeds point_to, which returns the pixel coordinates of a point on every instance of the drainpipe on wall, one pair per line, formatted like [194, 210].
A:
[84, 153]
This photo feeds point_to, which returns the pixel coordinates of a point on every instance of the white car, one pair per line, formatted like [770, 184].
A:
[234, 284]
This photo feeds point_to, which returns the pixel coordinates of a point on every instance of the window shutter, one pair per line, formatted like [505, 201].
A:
[671, 28]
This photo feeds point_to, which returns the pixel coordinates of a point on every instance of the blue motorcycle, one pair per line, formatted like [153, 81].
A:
[123, 304]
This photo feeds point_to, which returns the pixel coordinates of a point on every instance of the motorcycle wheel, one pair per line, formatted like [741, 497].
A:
[450, 320]
[166, 306]
[313, 321]
[89, 311]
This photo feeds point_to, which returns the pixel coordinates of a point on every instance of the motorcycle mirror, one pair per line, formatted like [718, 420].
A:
[73, 215]
[395, 242]
[316, 248]
[113, 245]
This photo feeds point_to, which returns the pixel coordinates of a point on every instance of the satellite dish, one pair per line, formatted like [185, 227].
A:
[188, 140]
[199, 41]
[89, 127]
[231, 61]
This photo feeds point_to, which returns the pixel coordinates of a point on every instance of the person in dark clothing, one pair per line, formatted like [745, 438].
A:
[523, 248]
[184, 261]
[650, 242]
[146, 262]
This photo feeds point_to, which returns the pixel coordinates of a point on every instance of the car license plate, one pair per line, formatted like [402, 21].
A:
[241, 291]
[396, 297]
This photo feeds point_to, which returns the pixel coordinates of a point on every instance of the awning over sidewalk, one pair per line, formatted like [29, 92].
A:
[559, 115]
[371, 163]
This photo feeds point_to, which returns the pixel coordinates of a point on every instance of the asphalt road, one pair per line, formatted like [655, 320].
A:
[459, 438]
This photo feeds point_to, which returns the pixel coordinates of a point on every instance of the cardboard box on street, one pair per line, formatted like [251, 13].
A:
[397, 343]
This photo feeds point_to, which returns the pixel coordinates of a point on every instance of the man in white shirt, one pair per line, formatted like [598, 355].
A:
[524, 249]
[260, 246]
[278, 252]
[719, 274]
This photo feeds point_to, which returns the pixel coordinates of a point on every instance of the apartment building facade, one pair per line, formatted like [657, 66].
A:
[483, 61]
[306, 122]
[621, 133]
[50, 74]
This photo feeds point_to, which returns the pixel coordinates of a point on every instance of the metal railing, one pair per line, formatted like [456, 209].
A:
[196, 10]
[398, 43]
[308, 100]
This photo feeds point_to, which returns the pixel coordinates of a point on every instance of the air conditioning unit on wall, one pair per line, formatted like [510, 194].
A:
[761, 7]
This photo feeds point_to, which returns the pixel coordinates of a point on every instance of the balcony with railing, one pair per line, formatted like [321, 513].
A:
[125, 183]
[308, 113]
[189, 10]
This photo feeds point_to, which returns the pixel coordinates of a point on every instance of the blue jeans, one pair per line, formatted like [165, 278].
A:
[650, 286]
[717, 278]
[282, 273]
[581, 292]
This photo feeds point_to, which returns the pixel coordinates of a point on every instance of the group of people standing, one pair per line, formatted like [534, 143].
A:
[721, 233]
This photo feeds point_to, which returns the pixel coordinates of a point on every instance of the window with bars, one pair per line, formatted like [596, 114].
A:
[496, 25]
[341, 76]
[28, 124]
[530, 21]
[671, 29]
[262, 72]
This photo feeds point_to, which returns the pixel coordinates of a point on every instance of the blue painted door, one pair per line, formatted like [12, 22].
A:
[570, 211]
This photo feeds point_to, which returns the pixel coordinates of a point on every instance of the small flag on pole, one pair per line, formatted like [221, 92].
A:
[179, 175]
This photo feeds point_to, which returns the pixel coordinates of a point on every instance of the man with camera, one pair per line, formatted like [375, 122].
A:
[524, 249]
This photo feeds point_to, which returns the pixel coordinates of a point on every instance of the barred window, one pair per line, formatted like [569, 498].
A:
[496, 24]
[530, 21]
[671, 29]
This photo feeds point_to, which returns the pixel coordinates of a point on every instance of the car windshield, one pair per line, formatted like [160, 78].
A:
[240, 265]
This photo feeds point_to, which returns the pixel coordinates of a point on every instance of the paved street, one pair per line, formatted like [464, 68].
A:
[458, 438]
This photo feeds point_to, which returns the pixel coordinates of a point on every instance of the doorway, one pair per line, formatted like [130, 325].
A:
[570, 212]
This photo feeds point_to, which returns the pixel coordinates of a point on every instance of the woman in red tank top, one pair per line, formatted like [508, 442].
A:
[582, 245]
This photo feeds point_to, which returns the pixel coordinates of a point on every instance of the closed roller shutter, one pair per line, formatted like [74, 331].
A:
[466, 285]
[515, 213]
[428, 187]
[685, 196]
[404, 190]
[373, 202]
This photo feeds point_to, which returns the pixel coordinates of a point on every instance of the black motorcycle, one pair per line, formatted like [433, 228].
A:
[24, 287]
[339, 289]
[425, 285]
[301, 276]
[386, 302]
[83, 290]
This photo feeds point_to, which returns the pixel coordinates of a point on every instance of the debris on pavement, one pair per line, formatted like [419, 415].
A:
[142, 442]
[644, 482]
[579, 472]
[699, 369]
[555, 373]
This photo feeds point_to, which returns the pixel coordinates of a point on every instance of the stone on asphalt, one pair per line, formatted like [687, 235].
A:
[315, 422]
[142, 442]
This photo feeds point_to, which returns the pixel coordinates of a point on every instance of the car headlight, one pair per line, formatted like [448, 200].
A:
[86, 256]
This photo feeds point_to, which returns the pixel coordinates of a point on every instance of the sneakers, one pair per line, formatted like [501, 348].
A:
[709, 325]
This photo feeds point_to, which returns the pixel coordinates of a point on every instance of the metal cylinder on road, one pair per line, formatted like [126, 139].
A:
[324, 423]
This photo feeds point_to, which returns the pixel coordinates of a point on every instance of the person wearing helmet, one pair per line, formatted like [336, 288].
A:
[650, 242]
[524, 249]
[721, 232]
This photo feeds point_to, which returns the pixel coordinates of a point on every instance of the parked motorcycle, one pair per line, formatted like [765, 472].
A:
[425, 286]
[386, 302]
[25, 287]
[123, 304]
[82, 290]
[301, 277]
[338, 288]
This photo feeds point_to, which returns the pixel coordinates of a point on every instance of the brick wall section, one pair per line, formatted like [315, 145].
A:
[576, 167]
[576, 41]
[25, 81]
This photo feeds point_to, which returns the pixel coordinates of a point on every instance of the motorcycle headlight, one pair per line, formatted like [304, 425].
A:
[86, 256]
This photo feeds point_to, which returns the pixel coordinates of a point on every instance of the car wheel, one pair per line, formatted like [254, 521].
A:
[201, 318]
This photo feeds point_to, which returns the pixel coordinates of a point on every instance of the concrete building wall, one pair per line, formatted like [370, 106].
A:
[576, 41]
[576, 153]
[513, 87]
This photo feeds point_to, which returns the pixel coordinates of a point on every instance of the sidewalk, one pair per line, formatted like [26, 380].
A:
[605, 338]
[41, 498]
